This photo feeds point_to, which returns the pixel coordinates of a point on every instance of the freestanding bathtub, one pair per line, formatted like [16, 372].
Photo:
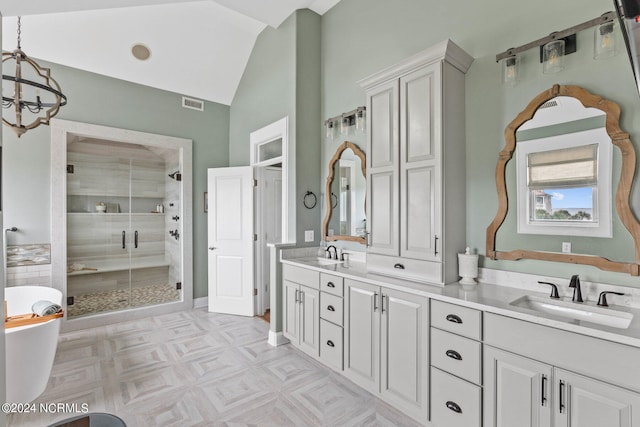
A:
[29, 349]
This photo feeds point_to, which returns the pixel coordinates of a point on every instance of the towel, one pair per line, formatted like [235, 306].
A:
[45, 308]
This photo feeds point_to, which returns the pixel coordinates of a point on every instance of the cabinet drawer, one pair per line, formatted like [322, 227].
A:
[405, 268]
[454, 402]
[303, 276]
[457, 355]
[331, 308]
[459, 320]
[331, 284]
[331, 344]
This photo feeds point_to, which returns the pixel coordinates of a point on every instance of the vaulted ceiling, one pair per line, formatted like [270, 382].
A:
[197, 48]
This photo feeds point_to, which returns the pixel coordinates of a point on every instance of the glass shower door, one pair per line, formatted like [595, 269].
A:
[155, 237]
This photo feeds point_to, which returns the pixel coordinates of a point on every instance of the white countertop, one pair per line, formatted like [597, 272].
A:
[486, 297]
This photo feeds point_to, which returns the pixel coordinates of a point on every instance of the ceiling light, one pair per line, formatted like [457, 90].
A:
[33, 90]
[141, 52]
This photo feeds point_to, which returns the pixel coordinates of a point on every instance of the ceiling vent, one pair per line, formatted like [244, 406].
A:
[194, 104]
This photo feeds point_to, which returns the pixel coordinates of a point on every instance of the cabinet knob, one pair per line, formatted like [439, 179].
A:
[331, 308]
[453, 318]
[453, 354]
[454, 407]
[212, 248]
[330, 343]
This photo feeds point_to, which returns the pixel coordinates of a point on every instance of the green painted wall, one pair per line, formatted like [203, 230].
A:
[105, 101]
[360, 37]
[282, 78]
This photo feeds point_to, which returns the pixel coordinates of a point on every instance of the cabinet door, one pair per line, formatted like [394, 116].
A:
[420, 159]
[310, 320]
[403, 350]
[585, 402]
[382, 169]
[291, 316]
[362, 334]
[517, 390]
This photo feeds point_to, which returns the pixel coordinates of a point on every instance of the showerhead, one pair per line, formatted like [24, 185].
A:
[176, 175]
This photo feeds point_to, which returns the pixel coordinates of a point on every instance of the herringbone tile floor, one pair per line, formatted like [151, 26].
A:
[196, 368]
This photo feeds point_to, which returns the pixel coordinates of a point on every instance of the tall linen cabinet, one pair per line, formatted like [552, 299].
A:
[416, 165]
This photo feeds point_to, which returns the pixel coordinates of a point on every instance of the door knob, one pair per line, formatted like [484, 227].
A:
[212, 248]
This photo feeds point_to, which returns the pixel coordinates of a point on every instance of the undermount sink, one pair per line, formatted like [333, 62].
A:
[574, 311]
[321, 261]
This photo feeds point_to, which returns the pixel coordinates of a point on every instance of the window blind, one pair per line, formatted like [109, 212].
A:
[563, 168]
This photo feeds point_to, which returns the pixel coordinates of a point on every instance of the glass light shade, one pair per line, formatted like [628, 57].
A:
[329, 130]
[605, 43]
[361, 121]
[344, 126]
[510, 70]
[553, 57]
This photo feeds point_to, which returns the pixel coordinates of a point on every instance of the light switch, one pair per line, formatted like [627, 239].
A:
[308, 235]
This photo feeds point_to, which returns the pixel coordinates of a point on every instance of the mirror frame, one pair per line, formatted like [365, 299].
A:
[619, 138]
[336, 157]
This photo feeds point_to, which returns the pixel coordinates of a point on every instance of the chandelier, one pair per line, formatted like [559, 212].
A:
[35, 96]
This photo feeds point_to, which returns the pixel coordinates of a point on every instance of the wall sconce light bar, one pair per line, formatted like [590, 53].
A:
[607, 17]
[350, 115]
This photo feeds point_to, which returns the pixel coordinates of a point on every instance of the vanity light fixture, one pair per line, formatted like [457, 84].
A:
[345, 121]
[33, 90]
[551, 50]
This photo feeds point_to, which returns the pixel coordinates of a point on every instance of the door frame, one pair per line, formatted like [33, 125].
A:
[63, 131]
[276, 130]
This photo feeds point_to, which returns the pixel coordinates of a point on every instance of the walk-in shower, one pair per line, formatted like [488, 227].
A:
[123, 248]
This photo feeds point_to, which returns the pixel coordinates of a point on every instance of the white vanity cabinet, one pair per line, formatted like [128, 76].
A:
[386, 344]
[415, 165]
[301, 316]
[529, 381]
[331, 320]
[456, 359]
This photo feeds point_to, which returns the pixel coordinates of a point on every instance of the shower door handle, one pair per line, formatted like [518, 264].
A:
[124, 240]
[135, 239]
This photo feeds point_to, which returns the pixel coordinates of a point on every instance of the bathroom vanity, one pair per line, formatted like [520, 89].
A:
[452, 357]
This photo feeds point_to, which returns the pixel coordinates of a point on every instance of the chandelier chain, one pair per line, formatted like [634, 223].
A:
[19, 31]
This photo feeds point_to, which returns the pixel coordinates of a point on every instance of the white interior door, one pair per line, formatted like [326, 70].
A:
[231, 240]
[270, 212]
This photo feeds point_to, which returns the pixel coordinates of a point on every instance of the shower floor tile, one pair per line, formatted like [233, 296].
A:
[100, 302]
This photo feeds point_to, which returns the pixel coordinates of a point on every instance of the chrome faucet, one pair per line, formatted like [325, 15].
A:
[335, 252]
[577, 292]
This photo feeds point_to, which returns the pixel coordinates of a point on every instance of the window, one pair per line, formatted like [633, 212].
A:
[564, 184]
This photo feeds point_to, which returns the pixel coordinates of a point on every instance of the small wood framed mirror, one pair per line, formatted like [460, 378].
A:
[345, 194]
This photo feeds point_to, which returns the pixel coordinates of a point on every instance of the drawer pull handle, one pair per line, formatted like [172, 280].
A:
[399, 266]
[331, 285]
[454, 407]
[331, 308]
[453, 318]
[453, 354]
[330, 343]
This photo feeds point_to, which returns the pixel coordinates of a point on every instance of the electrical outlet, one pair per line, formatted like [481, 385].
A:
[308, 235]
[566, 247]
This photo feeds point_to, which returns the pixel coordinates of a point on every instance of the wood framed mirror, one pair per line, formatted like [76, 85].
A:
[506, 239]
[345, 193]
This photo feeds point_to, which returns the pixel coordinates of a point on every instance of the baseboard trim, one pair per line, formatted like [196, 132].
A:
[277, 338]
[202, 302]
